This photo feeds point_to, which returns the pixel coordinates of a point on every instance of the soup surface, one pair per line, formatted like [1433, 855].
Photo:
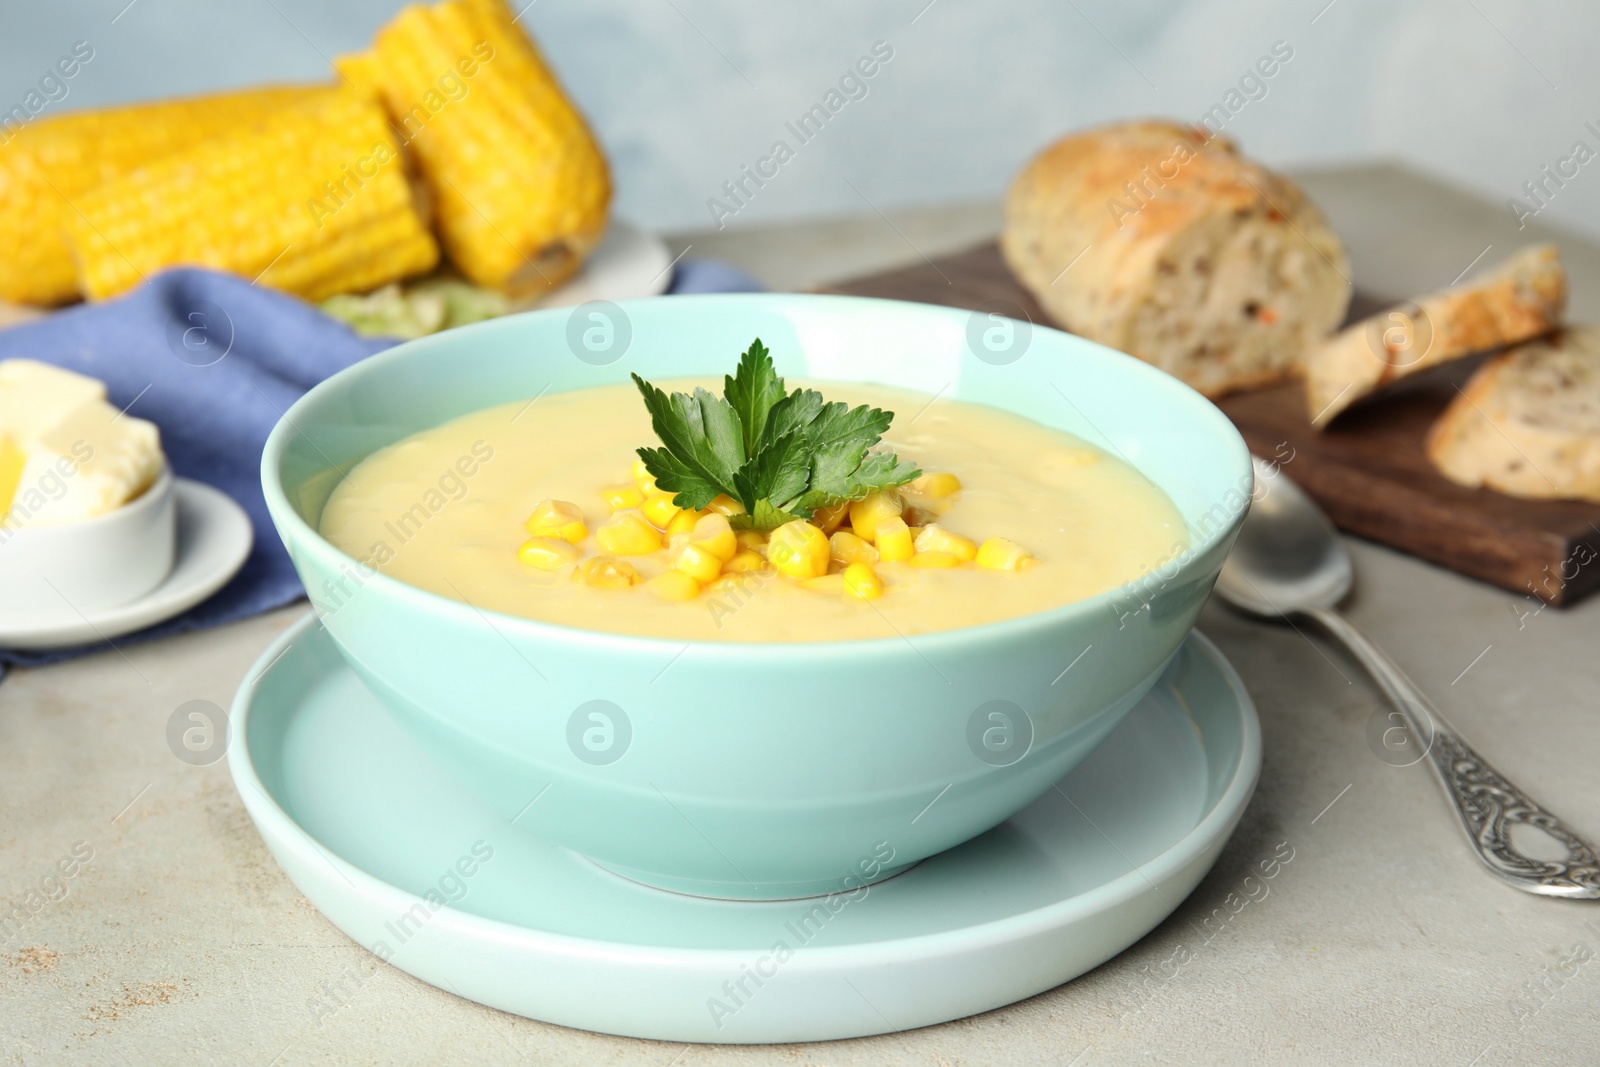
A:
[444, 510]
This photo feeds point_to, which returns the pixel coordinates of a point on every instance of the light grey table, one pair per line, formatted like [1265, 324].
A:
[1381, 941]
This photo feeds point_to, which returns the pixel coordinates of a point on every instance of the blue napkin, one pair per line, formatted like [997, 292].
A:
[214, 362]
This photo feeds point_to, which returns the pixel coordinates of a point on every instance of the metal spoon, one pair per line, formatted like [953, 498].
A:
[1288, 561]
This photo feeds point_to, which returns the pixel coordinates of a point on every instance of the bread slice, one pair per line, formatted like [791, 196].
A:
[1156, 239]
[1522, 298]
[1528, 422]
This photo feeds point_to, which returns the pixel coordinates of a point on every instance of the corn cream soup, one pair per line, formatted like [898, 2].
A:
[1050, 518]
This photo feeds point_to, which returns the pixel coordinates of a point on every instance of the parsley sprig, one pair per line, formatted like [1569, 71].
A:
[782, 455]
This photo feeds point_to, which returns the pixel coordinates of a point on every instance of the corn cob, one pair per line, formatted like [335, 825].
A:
[313, 200]
[48, 165]
[520, 186]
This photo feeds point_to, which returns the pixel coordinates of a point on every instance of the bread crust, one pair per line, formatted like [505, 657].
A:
[1522, 298]
[1142, 236]
[1527, 424]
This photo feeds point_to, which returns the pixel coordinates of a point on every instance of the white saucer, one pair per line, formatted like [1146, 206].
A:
[368, 828]
[214, 537]
[628, 263]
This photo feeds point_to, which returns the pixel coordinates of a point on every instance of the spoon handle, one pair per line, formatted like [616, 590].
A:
[1487, 803]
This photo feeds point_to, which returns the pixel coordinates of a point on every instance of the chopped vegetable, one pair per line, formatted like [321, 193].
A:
[716, 534]
[799, 550]
[548, 553]
[416, 309]
[845, 547]
[894, 540]
[603, 572]
[628, 534]
[659, 509]
[868, 513]
[935, 485]
[558, 518]
[862, 582]
[935, 538]
[698, 562]
[999, 554]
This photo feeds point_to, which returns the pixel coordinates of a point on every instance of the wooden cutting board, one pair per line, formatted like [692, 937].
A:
[1368, 470]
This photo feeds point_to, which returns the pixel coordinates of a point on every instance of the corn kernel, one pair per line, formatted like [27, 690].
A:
[683, 522]
[935, 538]
[825, 583]
[828, 519]
[557, 518]
[643, 478]
[603, 572]
[673, 585]
[1001, 555]
[744, 561]
[934, 559]
[622, 495]
[627, 534]
[799, 550]
[547, 553]
[754, 540]
[659, 509]
[894, 540]
[861, 581]
[865, 514]
[723, 504]
[713, 533]
[847, 548]
[698, 562]
[937, 486]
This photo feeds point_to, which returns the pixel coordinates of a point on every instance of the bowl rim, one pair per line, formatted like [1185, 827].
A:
[300, 531]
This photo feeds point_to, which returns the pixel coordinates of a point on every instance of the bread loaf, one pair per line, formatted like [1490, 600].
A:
[1528, 422]
[1522, 298]
[1153, 238]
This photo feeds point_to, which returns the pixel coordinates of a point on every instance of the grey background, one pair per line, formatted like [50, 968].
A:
[685, 92]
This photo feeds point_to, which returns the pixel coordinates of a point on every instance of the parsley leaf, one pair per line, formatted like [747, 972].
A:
[778, 473]
[752, 391]
[703, 443]
[780, 454]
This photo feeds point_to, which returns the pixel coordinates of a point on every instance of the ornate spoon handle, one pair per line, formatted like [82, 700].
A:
[1486, 802]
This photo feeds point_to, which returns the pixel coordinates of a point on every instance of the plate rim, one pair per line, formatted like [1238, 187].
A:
[1210, 831]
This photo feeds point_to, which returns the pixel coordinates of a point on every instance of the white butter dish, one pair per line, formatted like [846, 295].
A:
[92, 564]
[214, 538]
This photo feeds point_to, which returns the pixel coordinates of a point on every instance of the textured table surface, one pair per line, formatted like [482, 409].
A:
[180, 941]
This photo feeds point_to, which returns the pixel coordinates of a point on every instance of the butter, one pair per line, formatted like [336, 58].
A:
[65, 453]
[12, 460]
[35, 396]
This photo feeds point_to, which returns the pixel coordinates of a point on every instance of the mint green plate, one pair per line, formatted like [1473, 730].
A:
[406, 862]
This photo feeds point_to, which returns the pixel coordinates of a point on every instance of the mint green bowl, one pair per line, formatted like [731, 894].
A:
[759, 771]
